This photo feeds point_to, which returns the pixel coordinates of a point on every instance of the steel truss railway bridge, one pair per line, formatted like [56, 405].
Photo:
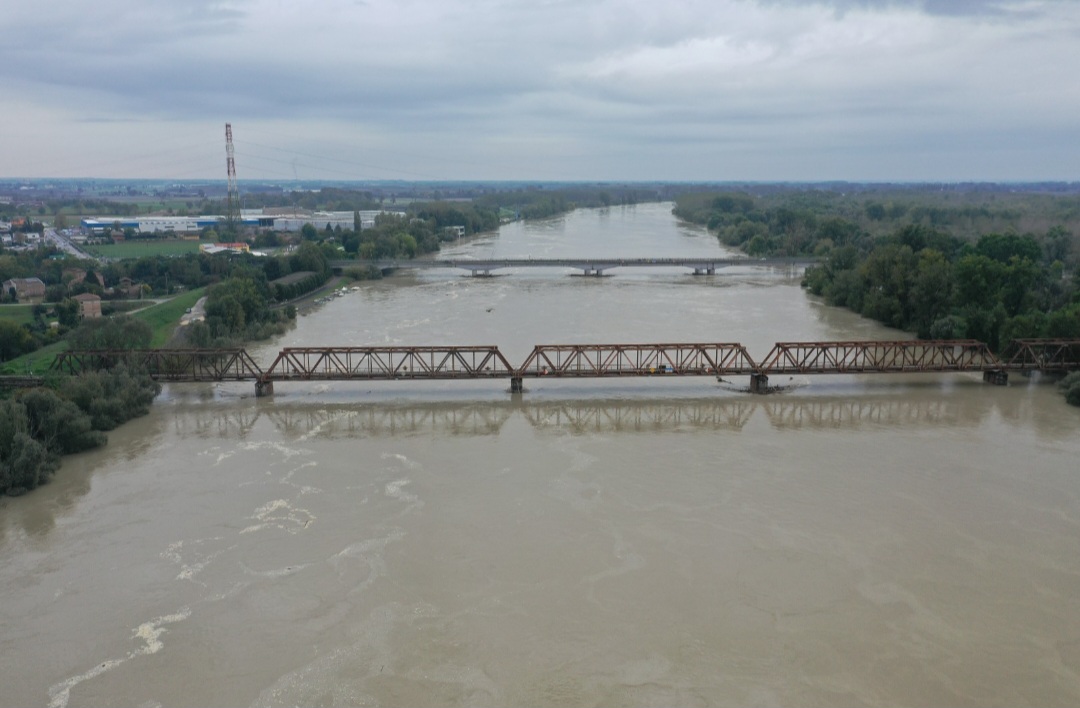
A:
[588, 266]
[560, 361]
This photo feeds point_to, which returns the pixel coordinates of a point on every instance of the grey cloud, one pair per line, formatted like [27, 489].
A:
[543, 83]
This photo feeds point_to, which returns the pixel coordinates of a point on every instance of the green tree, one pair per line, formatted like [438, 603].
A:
[24, 462]
[931, 291]
[889, 271]
[1003, 247]
[67, 312]
[15, 340]
[308, 257]
[111, 397]
[978, 281]
[1070, 386]
[57, 423]
[1021, 284]
[119, 332]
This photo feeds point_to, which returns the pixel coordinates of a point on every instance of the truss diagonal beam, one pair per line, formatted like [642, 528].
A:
[371, 363]
[1043, 355]
[165, 364]
[596, 360]
[879, 357]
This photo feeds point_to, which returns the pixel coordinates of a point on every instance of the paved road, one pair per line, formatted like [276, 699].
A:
[65, 245]
[197, 313]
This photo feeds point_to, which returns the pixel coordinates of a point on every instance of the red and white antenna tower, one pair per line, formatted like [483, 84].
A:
[232, 205]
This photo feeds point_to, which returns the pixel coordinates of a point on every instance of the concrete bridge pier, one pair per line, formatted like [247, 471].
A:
[759, 383]
[517, 384]
[707, 270]
[263, 388]
[996, 377]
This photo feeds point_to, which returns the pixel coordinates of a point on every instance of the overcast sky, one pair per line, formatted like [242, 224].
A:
[940, 90]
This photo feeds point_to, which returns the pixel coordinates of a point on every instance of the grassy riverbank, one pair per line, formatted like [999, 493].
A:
[163, 318]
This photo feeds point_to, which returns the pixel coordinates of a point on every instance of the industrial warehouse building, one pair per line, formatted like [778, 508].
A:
[254, 219]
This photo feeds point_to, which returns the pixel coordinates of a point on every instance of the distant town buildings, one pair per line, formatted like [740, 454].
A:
[272, 219]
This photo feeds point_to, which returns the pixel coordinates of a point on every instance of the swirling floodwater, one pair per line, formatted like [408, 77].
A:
[876, 540]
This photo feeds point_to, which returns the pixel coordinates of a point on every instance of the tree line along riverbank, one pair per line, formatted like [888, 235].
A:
[994, 267]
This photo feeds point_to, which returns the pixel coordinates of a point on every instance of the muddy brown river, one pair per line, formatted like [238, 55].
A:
[875, 540]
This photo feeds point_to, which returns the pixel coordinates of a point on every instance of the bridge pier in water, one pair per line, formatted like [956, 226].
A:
[996, 377]
[263, 388]
[517, 385]
[759, 383]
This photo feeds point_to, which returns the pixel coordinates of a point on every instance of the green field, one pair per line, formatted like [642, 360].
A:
[165, 316]
[138, 249]
[36, 362]
[19, 314]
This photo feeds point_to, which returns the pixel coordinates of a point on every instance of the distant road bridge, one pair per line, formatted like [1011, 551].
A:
[588, 266]
[396, 363]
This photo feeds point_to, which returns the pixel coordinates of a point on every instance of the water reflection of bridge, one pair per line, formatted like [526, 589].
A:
[344, 421]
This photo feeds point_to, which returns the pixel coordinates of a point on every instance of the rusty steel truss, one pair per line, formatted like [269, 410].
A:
[583, 361]
[878, 357]
[166, 364]
[404, 362]
[1043, 355]
[593, 360]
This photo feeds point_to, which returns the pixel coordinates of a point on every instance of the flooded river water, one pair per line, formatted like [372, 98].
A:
[903, 540]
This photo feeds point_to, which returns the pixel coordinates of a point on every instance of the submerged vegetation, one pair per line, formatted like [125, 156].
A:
[70, 414]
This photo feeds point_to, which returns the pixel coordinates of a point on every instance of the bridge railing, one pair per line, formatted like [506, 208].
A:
[404, 362]
[591, 360]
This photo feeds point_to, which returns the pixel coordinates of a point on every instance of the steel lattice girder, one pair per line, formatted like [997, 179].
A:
[1044, 354]
[343, 363]
[878, 357]
[594, 360]
[166, 364]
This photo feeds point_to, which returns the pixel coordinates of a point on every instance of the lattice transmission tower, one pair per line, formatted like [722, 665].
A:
[232, 204]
